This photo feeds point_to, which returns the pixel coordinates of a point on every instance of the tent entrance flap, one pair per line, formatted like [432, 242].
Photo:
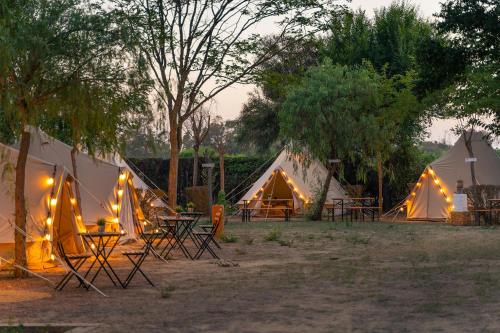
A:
[277, 195]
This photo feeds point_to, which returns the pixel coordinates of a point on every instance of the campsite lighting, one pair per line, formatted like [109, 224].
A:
[53, 201]
[122, 232]
[401, 209]
[73, 201]
[78, 217]
[419, 184]
[431, 171]
[413, 193]
[441, 190]
[152, 204]
[115, 207]
[448, 199]
[50, 181]
[116, 220]
[424, 175]
[92, 246]
[47, 237]
[120, 193]
[52, 257]
[122, 177]
[49, 220]
[436, 181]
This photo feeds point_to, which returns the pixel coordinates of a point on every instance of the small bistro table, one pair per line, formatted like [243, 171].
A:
[102, 244]
[183, 229]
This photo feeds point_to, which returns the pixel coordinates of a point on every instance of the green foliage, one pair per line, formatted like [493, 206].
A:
[101, 222]
[62, 68]
[179, 209]
[190, 204]
[229, 238]
[273, 236]
[221, 198]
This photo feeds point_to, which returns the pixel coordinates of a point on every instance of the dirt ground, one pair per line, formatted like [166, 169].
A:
[292, 277]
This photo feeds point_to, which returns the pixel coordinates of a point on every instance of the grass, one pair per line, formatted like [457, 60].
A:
[229, 238]
[273, 236]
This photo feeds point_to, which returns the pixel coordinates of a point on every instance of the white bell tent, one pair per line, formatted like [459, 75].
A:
[289, 183]
[51, 209]
[104, 190]
[432, 195]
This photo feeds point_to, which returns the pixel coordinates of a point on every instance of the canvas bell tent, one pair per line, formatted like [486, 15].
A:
[432, 196]
[289, 183]
[103, 186]
[52, 211]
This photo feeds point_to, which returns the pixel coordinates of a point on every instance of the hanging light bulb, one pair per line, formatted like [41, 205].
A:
[152, 204]
[116, 220]
[78, 217]
[115, 207]
[122, 177]
[50, 181]
[441, 190]
[448, 199]
[53, 201]
[52, 257]
[122, 232]
[120, 193]
[73, 201]
[419, 184]
[92, 246]
[49, 220]
[436, 181]
[413, 193]
[47, 237]
[431, 171]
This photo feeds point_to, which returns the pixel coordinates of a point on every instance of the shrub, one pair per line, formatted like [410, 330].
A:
[273, 235]
[228, 238]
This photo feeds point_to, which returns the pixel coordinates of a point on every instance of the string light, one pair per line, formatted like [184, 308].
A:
[92, 246]
[52, 257]
[49, 220]
[436, 181]
[419, 184]
[120, 193]
[73, 201]
[47, 237]
[116, 220]
[448, 199]
[122, 232]
[401, 209]
[78, 217]
[413, 193]
[53, 201]
[50, 181]
[122, 177]
[441, 190]
[431, 171]
[115, 207]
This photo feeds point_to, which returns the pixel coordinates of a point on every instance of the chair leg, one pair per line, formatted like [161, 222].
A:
[73, 270]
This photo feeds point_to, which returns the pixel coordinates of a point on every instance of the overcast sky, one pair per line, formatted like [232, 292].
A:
[228, 104]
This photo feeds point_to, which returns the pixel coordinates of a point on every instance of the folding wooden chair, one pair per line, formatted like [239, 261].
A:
[137, 257]
[74, 262]
[206, 238]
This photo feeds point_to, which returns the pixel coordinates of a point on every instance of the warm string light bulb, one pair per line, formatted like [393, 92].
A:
[436, 181]
[49, 220]
[120, 193]
[448, 199]
[431, 171]
[53, 201]
[47, 237]
[116, 220]
[52, 257]
[73, 201]
[122, 177]
[50, 181]
[115, 207]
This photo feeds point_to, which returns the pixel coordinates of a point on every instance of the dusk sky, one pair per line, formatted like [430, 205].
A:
[228, 104]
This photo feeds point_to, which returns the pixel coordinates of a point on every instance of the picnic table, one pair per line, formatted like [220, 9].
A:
[352, 206]
[183, 228]
[102, 244]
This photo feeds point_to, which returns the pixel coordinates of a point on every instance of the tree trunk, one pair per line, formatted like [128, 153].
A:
[173, 167]
[221, 167]
[74, 151]
[476, 196]
[20, 205]
[196, 164]
[380, 175]
[318, 207]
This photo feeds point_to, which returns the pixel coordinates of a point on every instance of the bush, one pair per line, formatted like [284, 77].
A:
[228, 238]
[273, 235]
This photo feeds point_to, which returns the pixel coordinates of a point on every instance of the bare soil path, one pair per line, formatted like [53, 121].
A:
[307, 277]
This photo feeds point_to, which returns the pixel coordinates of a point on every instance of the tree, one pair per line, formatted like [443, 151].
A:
[200, 127]
[59, 59]
[220, 134]
[196, 49]
[320, 116]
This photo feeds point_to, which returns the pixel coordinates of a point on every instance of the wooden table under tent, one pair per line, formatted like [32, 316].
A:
[53, 214]
[287, 188]
[432, 195]
[104, 188]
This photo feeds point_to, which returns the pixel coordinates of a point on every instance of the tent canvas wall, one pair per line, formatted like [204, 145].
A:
[50, 208]
[101, 183]
[432, 195]
[288, 181]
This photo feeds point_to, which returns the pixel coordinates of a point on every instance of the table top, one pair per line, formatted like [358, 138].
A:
[176, 218]
[100, 234]
[192, 213]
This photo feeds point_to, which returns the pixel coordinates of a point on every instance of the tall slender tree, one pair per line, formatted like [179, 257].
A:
[199, 127]
[198, 48]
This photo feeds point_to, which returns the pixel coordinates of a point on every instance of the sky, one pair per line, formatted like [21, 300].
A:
[229, 103]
